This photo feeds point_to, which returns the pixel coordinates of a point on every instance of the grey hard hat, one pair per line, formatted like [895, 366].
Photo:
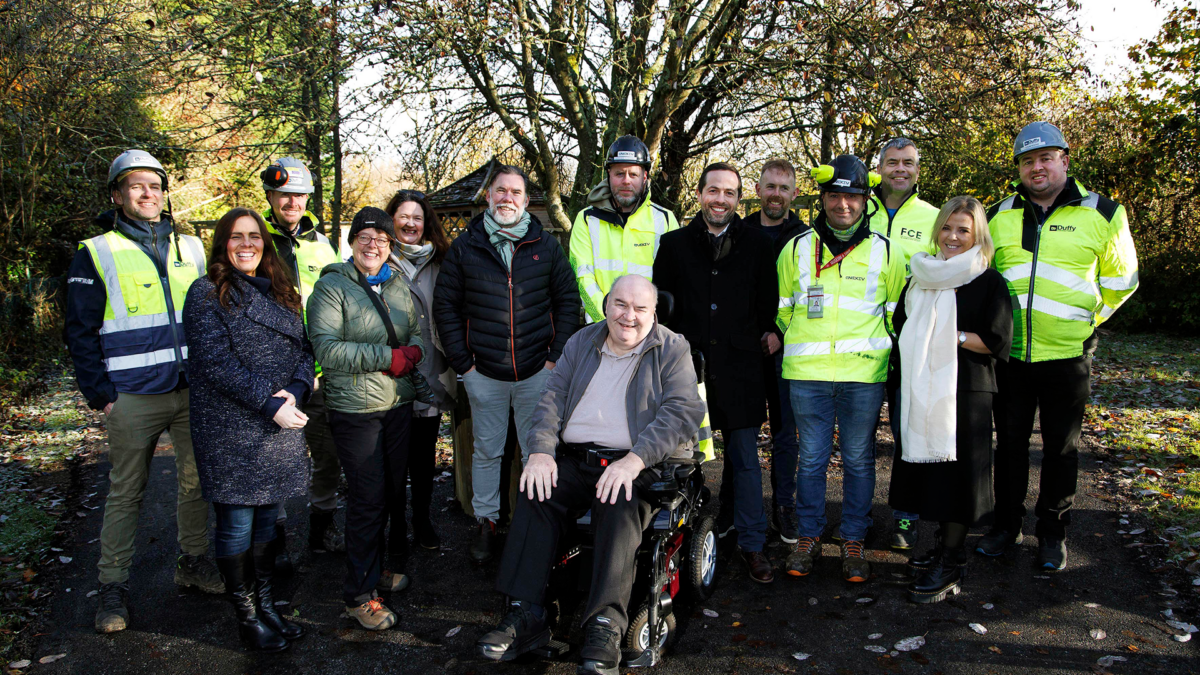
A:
[1038, 135]
[287, 174]
[131, 160]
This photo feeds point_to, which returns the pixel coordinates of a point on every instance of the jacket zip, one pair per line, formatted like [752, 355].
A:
[170, 303]
[891, 216]
[1037, 242]
[512, 337]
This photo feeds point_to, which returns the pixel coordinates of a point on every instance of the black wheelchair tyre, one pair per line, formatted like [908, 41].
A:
[638, 633]
[702, 557]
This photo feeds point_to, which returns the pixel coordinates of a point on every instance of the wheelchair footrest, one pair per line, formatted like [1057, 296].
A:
[642, 659]
[556, 649]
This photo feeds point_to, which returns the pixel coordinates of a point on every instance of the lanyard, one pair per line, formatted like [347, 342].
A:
[836, 259]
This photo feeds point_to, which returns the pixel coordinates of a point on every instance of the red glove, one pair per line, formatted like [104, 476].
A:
[412, 353]
[404, 359]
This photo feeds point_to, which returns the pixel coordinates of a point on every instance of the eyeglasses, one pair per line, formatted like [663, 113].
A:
[366, 239]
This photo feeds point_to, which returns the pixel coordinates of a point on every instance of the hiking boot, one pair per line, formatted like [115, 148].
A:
[1052, 554]
[265, 556]
[918, 564]
[940, 580]
[485, 544]
[854, 562]
[724, 521]
[601, 652]
[196, 571]
[801, 562]
[283, 560]
[760, 566]
[425, 536]
[112, 612]
[256, 634]
[520, 631]
[787, 523]
[994, 542]
[372, 615]
[904, 535]
[391, 582]
[323, 533]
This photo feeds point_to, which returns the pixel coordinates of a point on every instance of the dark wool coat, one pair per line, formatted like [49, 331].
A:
[238, 358]
[723, 309]
[506, 326]
[961, 491]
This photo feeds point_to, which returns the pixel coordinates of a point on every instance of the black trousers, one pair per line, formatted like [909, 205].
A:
[1057, 391]
[373, 451]
[537, 527]
[422, 451]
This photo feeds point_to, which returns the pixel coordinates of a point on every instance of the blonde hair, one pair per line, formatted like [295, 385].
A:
[979, 225]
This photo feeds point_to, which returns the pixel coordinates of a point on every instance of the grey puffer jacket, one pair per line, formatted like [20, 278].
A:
[436, 369]
[351, 341]
[662, 402]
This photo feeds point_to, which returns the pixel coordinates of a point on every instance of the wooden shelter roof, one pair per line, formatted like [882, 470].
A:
[469, 190]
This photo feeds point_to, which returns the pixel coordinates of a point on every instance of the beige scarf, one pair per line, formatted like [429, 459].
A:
[929, 355]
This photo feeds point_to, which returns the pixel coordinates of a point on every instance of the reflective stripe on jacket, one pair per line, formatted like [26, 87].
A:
[909, 230]
[601, 250]
[141, 339]
[850, 342]
[1074, 269]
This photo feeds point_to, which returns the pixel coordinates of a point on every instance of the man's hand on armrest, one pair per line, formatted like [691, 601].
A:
[620, 473]
[541, 472]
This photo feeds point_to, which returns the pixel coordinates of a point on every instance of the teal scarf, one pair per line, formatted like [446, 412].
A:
[844, 235]
[505, 238]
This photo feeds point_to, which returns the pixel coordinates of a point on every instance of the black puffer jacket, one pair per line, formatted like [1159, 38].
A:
[506, 327]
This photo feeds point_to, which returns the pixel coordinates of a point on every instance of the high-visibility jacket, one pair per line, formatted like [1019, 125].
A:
[909, 229]
[601, 250]
[851, 341]
[311, 252]
[1068, 273]
[142, 340]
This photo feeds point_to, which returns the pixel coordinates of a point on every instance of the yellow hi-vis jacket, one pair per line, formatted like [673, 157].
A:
[851, 342]
[601, 250]
[313, 252]
[1068, 273]
[909, 230]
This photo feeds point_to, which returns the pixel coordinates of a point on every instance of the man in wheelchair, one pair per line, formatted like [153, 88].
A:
[622, 398]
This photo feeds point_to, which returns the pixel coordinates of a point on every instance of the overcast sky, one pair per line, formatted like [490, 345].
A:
[1113, 26]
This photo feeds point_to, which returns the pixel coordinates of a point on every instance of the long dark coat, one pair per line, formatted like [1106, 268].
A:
[238, 358]
[961, 491]
[723, 309]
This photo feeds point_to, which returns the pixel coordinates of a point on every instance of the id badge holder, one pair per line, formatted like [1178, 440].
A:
[816, 302]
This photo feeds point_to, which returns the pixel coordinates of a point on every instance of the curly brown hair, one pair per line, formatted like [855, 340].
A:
[222, 272]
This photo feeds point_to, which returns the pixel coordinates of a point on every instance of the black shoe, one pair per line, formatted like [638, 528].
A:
[601, 652]
[1052, 554]
[787, 523]
[323, 533]
[265, 556]
[904, 535]
[520, 631]
[918, 564]
[724, 522]
[425, 536]
[238, 572]
[759, 566]
[994, 542]
[938, 581]
[484, 545]
[283, 560]
[112, 609]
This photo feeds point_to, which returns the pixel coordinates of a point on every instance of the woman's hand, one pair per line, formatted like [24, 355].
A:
[975, 344]
[289, 417]
[286, 395]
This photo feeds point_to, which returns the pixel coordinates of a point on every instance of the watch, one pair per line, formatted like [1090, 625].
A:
[962, 338]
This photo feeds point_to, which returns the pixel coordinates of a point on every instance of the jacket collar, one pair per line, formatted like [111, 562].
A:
[607, 212]
[831, 242]
[754, 221]
[653, 339]
[266, 312]
[305, 230]
[877, 191]
[1072, 193]
[136, 230]
[699, 228]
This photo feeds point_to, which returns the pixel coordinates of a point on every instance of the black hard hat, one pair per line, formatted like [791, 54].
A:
[846, 173]
[628, 150]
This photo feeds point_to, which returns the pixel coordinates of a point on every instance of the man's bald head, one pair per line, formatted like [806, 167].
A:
[630, 311]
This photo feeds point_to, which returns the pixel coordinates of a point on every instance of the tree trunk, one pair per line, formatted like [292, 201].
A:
[335, 119]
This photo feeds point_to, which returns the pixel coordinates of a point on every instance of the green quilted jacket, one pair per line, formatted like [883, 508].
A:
[351, 342]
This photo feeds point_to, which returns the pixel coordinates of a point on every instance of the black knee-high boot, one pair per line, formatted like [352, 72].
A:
[264, 571]
[238, 572]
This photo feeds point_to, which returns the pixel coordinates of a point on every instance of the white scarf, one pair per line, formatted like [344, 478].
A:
[929, 355]
[412, 258]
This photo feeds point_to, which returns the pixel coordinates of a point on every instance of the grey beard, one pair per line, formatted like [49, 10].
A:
[505, 222]
[627, 204]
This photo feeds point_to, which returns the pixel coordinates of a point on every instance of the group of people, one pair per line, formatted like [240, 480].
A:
[304, 368]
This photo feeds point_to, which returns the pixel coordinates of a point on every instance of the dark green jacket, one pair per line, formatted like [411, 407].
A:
[351, 341]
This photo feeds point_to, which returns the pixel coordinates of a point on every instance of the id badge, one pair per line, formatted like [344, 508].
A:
[816, 302]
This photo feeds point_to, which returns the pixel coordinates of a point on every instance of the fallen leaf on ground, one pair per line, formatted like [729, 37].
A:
[878, 649]
[801, 656]
[51, 659]
[978, 628]
[453, 631]
[1098, 634]
[911, 643]
[712, 614]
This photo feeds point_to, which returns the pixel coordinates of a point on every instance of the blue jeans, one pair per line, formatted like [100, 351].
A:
[894, 423]
[855, 408]
[785, 446]
[749, 517]
[239, 526]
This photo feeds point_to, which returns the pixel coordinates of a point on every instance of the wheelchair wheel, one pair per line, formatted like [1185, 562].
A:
[702, 557]
[637, 637]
